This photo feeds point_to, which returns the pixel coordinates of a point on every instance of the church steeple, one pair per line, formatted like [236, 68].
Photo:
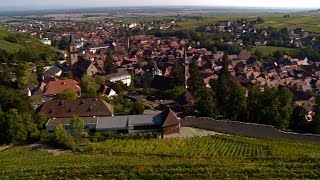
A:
[186, 67]
[73, 50]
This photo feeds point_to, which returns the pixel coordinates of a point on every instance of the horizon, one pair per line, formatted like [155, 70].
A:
[39, 9]
[20, 5]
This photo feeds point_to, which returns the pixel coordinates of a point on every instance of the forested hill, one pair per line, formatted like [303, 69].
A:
[17, 47]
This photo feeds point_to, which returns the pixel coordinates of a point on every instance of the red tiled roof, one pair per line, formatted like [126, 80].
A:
[56, 87]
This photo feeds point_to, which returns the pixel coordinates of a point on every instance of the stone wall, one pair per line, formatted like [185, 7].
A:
[246, 129]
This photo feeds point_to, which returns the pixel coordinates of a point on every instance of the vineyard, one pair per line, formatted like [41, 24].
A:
[223, 157]
[200, 147]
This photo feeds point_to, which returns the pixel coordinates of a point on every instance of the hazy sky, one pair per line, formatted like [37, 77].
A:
[47, 4]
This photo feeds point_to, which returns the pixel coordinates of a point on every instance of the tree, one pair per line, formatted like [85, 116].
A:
[222, 88]
[285, 109]
[89, 87]
[40, 120]
[26, 76]
[206, 104]
[99, 80]
[298, 121]
[174, 93]
[109, 66]
[77, 126]
[195, 82]
[237, 101]
[68, 94]
[11, 99]
[62, 139]
[137, 108]
[147, 80]
[316, 120]
[20, 126]
[225, 66]
[254, 104]
[177, 73]
[119, 87]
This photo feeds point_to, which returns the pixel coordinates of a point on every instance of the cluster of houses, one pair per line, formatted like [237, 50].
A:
[88, 51]
[242, 30]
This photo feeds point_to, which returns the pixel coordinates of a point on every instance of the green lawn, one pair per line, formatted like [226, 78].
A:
[223, 157]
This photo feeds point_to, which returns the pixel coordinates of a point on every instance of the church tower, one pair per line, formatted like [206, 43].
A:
[73, 50]
[186, 67]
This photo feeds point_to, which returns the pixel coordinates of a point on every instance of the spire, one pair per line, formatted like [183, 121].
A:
[72, 41]
[186, 67]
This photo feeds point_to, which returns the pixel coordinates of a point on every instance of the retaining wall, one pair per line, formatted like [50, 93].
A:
[246, 129]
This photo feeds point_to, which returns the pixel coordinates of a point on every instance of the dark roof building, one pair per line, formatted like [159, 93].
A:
[165, 122]
[84, 67]
[80, 107]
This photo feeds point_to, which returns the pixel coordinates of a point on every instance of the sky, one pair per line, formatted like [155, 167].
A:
[53, 4]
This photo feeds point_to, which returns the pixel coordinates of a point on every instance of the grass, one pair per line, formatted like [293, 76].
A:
[225, 157]
[10, 47]
[269, 50]
[308, 21]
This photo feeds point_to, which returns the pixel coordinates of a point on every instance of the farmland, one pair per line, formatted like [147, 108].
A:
[193, 158]
[269, 50]
[307, 20]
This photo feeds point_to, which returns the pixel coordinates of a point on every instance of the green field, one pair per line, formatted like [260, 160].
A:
[308, 21]
[269, 50]
[221, 157]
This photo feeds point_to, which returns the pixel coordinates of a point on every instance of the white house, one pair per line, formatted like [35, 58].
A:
[46, 41]
[122, 75]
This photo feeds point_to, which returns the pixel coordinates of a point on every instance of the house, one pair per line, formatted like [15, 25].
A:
[165, 123]
[53, 71]
[122, 75]
[79, 107]
[55, 87]
[84, 67]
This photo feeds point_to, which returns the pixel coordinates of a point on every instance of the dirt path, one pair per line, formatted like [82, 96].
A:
[2, 148]
[52, 150]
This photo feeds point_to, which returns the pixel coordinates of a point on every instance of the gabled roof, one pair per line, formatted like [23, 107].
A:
[56, 87]
[80, 107]
[186, 99]
[52, 71]
[82, 65]
[170, 118]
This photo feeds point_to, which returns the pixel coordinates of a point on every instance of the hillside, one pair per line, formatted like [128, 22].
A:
[20, 47]
[194, 158]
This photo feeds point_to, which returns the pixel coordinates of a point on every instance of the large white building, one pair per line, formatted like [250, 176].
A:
[122, 75]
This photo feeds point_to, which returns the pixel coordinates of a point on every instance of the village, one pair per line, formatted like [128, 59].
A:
[139, 68]
[159, 90]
